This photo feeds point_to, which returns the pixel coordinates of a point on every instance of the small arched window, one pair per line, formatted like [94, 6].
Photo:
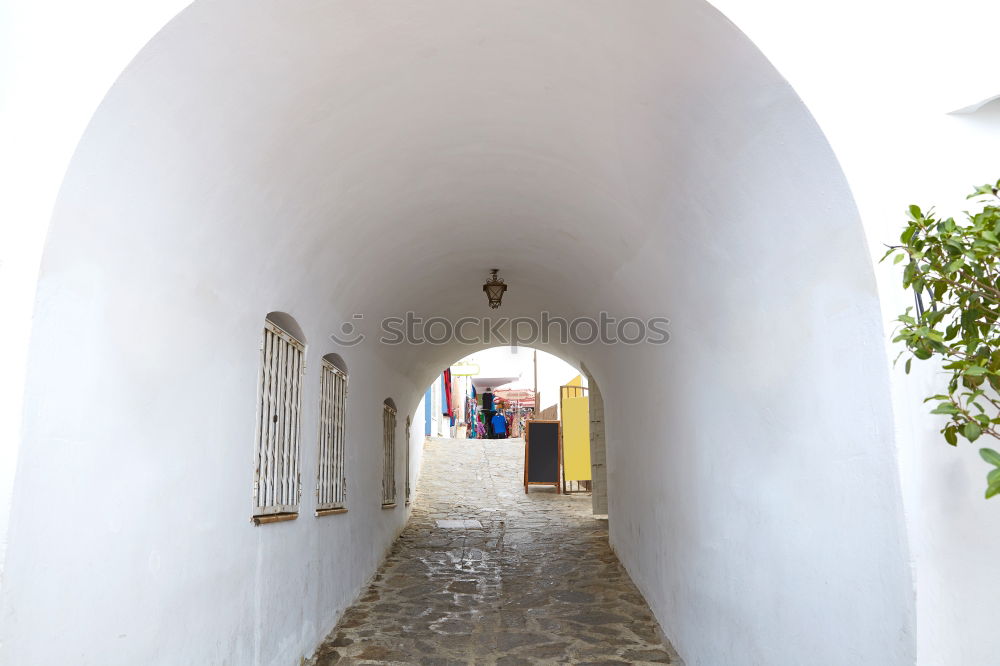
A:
[388, 454]
[279, 407]
[406, 443]
[331, 482]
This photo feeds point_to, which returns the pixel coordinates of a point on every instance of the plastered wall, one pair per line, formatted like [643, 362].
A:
[756, 468]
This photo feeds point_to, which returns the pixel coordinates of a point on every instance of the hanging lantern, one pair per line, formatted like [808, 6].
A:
[494, 288]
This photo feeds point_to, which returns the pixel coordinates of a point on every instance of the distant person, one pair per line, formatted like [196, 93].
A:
[499, 426]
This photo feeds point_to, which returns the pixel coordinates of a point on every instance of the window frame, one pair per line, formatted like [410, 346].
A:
[331, 473]
[277, 487]
[388, 456]
[407, 443]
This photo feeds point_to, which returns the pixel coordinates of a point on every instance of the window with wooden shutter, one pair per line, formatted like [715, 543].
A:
[331, 483]
[388, 454]
[406, 439]
[276, 474]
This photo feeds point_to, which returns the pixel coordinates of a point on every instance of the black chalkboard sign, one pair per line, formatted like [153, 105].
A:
[541, 454]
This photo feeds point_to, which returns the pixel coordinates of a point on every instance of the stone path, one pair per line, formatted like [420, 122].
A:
[537, 584]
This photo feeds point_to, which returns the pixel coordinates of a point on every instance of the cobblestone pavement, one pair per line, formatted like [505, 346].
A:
[536, 584]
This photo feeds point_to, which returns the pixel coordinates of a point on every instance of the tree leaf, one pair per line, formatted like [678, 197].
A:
[990, 456]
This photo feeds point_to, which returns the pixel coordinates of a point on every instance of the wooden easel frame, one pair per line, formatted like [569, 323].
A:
[557, 482]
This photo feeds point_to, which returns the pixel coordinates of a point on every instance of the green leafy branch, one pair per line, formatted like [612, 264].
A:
[993, 478]
[957, 266]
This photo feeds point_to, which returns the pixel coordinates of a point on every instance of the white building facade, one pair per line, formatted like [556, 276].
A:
[176, 171]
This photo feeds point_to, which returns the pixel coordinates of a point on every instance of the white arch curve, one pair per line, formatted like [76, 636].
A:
[288, 324]
[338, 361]
[437, 358]
[596, 139]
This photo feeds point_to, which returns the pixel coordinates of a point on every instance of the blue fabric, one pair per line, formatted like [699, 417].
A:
[427, 413]
[499, 424]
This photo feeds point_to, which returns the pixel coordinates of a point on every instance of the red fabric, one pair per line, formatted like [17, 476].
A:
[447, 390]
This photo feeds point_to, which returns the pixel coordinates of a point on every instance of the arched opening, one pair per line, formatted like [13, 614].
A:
[331, 476]
[480, 553]
[287, 323]
[337, 361]
[640, 163]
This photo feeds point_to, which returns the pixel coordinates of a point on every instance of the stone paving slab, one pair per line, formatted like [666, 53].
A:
[459, 524]
[535, 583]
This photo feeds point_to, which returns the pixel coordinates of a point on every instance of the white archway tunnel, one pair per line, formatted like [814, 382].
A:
[328, 160]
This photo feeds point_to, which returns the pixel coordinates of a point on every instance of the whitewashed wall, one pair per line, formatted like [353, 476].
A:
[438, 428]
[193, 208]
[416, 444]
[887, 108]
[59, 59]
[135, 493]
